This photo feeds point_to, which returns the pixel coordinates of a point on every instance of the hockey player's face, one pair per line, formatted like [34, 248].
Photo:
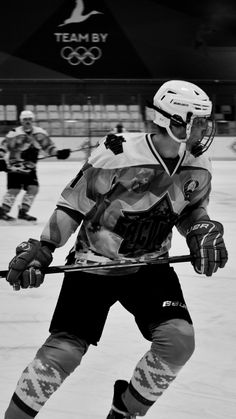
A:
[178, 131]
[27, 124]
[199, 129]
[201, 135]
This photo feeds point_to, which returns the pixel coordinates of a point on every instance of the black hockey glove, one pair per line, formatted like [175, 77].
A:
[3, 165]
[63, 154]
[25, 267]
[206, 244]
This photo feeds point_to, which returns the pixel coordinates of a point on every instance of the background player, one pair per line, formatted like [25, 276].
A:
[132, 191]
[119, 128]
[22, 146]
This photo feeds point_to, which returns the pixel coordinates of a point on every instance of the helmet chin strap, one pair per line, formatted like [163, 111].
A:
[178, 140]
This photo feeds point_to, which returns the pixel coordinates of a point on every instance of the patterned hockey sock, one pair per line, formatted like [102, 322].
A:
[54, 362]
[151, 378]
[37, 383]
[27, 201]
[8, 201]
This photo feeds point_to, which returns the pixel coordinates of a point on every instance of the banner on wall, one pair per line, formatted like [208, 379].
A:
[134, 39]
[82, 39]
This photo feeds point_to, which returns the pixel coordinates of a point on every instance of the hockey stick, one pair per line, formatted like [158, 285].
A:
[21, 168]
[129, 264]
[72, 151]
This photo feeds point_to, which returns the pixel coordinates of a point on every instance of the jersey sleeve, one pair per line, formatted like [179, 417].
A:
[3, 148]
[89, 187]
[78, 199]
[8, 143]
[46, 143]
[197, 209]
[58, 229]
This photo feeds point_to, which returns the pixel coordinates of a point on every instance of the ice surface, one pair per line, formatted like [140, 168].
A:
[204, 389]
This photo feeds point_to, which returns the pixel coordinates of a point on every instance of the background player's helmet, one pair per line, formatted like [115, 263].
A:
[119, 127]
[179, 102]
[26, 114]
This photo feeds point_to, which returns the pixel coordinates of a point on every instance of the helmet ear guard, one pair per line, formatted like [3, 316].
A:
[176, 120]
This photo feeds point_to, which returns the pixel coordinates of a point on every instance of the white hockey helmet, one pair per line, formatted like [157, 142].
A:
[27, 114]
[179, 102]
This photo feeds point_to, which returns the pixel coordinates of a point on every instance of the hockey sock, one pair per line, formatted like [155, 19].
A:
[13, 412]
[54, 361]
[9, 200]
[27, 201]
[151, 378]
[173, 344]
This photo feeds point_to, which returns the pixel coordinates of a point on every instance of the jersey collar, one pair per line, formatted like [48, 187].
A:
[169, 165]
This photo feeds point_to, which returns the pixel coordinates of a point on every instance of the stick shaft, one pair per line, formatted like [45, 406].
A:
[75, 268]
[72, 151]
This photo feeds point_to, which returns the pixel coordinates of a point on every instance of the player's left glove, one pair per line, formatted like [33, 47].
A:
[207, 247]
[63, 154]
[25, 269]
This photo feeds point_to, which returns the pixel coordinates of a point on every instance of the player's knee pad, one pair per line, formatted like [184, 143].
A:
[173, 341]
[63, 350]
[12, 192]
[32, 190]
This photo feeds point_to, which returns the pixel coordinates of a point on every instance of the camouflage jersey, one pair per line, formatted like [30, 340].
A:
[129, 198]
[25, 146]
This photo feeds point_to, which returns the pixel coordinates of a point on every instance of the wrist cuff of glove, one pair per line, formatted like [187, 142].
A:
[205, 226]
[50, 246]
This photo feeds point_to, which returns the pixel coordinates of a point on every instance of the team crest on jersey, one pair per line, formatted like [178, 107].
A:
[145, 231]
[140, 181]
[189, 188]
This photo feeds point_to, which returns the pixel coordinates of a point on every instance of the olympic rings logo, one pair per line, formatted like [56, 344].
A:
[81, 55]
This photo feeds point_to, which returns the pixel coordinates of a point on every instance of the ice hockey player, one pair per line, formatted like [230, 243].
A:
[119, 128]
[22, 146]
[125, 202]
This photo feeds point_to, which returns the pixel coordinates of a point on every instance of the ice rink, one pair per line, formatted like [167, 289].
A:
[204, 389]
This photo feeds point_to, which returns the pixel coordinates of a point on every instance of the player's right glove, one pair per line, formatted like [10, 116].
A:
[3, 165]
[63, 154]
[207, 247]
[25, 269]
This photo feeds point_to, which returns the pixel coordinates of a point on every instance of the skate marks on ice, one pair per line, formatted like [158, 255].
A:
[204, 389]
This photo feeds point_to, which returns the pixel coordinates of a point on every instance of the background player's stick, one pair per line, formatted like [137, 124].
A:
[128, 264]
[72, 151]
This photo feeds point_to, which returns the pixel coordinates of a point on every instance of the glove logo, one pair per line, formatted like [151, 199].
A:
[199, 226]
[189, 187]
[24, 246]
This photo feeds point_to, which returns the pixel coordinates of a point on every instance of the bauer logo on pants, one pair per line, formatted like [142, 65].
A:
[174, 304]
